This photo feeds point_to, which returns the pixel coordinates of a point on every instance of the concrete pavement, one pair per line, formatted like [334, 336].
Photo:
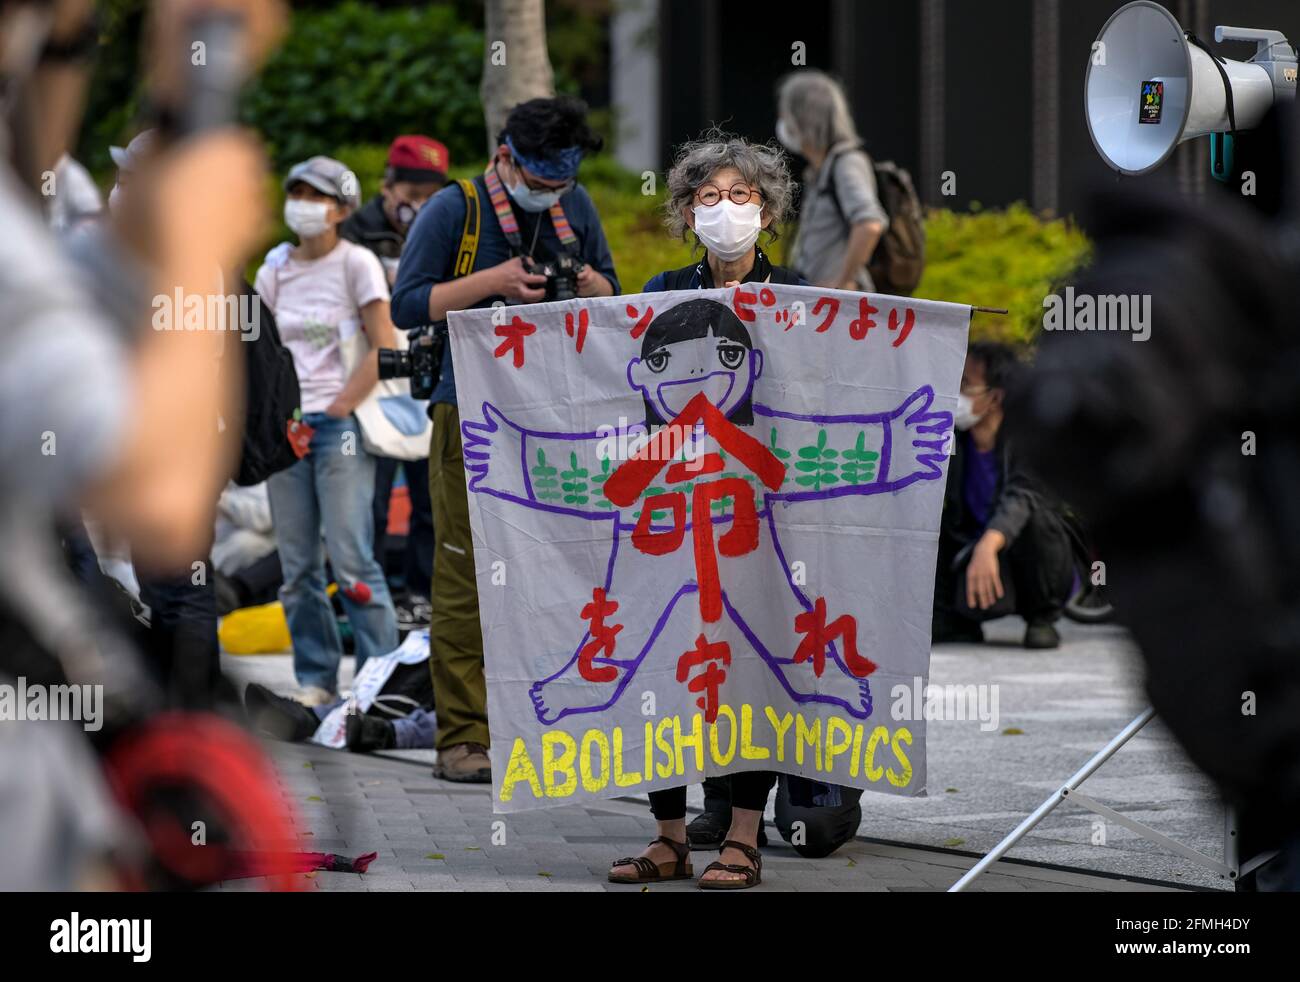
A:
[1055, 710]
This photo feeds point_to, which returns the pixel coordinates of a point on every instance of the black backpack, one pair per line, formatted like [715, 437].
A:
[271, 399]
[899, 259]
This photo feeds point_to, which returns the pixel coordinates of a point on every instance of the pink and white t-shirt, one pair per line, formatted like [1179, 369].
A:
[317, 306]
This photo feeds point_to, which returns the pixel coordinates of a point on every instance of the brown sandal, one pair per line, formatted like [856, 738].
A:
[753, 875]
[648, 871]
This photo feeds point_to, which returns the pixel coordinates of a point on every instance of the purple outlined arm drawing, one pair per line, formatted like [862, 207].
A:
[555, 472]
[874, 453]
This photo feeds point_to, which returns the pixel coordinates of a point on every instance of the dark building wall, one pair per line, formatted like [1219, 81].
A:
[988, 95]
[883, 78]
[722, 60]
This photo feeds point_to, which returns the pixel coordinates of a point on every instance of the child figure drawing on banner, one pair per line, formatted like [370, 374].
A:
[698, 479]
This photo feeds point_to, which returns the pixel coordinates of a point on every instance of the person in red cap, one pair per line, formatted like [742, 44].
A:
[416, 171]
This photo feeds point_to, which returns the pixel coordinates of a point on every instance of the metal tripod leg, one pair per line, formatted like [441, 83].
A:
[1043, 810]
[1229, 867]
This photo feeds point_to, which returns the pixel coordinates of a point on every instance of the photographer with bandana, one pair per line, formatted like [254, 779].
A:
[530, 215]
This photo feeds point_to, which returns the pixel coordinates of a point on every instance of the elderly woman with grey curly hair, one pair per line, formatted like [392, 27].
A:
[726, 190]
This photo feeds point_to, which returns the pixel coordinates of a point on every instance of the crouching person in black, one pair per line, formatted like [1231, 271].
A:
[814, 817]
[1003, 547]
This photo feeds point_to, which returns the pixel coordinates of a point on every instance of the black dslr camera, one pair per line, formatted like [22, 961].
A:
[561, 276]
[421, 362]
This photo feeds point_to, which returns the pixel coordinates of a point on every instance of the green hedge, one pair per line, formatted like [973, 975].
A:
[356, 73]
[1008, 258]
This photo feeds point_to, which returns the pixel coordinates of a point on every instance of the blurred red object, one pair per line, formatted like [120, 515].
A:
[205, 795]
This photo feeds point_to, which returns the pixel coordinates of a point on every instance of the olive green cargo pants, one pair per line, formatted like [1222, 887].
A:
[455, 635]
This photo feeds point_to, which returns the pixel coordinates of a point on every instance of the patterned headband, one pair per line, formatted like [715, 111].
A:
[560, 166]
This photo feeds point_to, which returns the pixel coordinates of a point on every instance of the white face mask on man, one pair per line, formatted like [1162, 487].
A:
[533, 201]
[728, 230]
[307, 218]
[965, 417]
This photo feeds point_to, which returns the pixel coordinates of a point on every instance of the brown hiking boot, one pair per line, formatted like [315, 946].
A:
[464, 762]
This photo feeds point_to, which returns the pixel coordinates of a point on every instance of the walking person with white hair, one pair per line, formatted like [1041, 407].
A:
[841, 220]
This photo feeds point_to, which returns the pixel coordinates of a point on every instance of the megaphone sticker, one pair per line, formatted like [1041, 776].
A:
[1152, 103]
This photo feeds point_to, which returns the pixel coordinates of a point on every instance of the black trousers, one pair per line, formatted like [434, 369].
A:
[1037, 572]
[258, 582]
[181, 644]
[417, 563]
[815, 819]
[748, 790]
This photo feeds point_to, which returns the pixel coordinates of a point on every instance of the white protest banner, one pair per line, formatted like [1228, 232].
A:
[705, 529]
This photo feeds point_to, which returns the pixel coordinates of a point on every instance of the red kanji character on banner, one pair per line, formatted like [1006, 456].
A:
[634, 476]
[834, 309]
[514, 334]
[641, 324]
[711, 678]
[860, 325]
[818, 634]
[583, 320]
[743, 304]
[602, 638]
[908, 323]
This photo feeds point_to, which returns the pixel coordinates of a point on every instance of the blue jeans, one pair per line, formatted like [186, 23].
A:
[331, 491]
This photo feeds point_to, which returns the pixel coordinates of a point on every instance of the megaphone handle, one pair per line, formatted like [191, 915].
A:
[1221, 156]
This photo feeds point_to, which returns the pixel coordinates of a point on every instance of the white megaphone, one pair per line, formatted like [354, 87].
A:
[1150, 86]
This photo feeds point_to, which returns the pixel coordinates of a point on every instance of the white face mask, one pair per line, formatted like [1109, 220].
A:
[728, 230]
[307, 218]
[965, 418]
[788, 137]
[533, 201]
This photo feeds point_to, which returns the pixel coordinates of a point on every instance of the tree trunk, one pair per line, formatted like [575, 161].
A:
[516, 66]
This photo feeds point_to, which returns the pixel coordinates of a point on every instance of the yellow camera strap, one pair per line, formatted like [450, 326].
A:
[468, 250]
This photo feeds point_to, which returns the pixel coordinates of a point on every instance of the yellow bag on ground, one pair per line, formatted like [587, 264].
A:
[260, 630]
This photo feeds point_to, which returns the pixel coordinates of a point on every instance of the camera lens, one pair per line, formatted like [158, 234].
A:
[394, 363]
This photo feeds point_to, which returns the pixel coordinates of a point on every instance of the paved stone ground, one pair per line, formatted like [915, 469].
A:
[1066, 704]
[432, 835]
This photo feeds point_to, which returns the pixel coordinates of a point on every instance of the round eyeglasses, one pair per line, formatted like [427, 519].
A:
[740, 193]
